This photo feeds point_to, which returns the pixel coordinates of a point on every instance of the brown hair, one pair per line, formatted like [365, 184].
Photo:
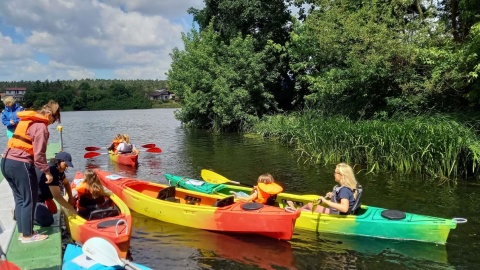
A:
[53, 108]
[266, 178]
[94, 185]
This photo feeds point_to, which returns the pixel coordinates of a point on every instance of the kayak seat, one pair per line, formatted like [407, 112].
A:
[225, 202]
[103, 213]
[272, 201]
[168, 194]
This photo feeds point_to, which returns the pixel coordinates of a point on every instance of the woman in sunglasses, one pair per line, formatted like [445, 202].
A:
[343, 200]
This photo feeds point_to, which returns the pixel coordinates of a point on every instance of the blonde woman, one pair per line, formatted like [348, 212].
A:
[25, 151]
[343, 198]
[9, 115]
[125, 146]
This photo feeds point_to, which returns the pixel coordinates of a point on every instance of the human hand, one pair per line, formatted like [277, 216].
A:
[49, 178]
[12, 122]
[328, 195]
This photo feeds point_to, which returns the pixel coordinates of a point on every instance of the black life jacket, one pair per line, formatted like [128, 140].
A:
[356, 205]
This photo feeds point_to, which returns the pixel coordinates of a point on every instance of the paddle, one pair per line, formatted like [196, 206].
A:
[60, 129]
[155, 150]
[6, 265]
[103, 252]
[215, 178]
[96, 148]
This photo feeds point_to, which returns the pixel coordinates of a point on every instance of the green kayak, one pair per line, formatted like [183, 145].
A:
[367, 221]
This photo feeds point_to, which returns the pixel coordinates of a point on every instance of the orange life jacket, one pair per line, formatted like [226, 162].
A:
[84, 197]
[116, 142]
[265, 191]
[20, 140]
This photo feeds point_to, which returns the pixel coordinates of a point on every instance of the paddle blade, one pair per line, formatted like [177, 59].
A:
[154, 150]
[149, 145]
[91, 155]
[102, 251]
[92, 148]
[213, 177]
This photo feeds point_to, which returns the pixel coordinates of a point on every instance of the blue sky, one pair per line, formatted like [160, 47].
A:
[77, 39]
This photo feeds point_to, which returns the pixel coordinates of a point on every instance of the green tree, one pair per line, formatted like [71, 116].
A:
[221, 86]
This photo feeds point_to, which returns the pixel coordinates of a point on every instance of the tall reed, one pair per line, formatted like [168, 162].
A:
[431, 145]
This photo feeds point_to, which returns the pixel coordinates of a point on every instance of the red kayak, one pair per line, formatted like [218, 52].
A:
[199, 210]
[130, 159]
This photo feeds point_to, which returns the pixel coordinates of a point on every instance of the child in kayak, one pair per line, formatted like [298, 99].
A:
[125, 147]
[90, 194]
[116, 141]
[343, 198]
[264, 192]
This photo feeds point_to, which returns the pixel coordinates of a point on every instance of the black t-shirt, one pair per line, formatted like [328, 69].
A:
[43, 188]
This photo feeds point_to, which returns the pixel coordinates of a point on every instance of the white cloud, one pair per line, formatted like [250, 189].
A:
[68, 39]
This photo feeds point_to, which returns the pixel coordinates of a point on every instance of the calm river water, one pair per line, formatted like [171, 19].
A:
[167, 246]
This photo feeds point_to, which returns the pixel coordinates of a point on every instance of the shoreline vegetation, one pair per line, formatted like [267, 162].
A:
[439, 146]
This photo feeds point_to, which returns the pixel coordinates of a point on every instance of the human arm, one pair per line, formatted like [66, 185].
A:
[68, 190]
[39, 134]
[252, 196]
[57, 195]
[5, 119]
[343, 206]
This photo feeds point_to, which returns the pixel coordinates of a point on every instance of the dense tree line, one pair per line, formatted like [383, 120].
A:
[359, 59]
[89, 94]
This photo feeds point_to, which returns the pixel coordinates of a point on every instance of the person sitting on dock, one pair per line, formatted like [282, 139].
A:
[90, 194]
[125, 147]
[264, 192]
[344, 198]
[46, 207]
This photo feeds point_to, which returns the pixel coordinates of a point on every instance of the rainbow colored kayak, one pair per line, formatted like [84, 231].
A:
[198, 210]
[368, 221]
[114, 223]
[124, 159]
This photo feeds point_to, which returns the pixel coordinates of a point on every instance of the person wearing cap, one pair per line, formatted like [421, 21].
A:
[25, 151]
[9, 115]
[47, 192]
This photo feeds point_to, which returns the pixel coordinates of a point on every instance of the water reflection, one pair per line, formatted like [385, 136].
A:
[187, 247]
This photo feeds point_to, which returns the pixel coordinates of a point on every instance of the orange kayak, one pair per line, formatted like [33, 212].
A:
[125, 159]
[199, 210]
[113, 223]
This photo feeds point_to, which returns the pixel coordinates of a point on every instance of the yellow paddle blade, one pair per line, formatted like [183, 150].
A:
[213, 177]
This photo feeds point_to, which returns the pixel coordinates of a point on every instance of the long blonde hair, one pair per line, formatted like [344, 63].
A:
[126, 138]
[94, 185]
[348, 177]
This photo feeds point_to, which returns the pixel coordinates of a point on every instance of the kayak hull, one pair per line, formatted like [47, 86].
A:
[130, 160]
[197, 210]
[118, 229]
[368, 221]
[73, 258]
